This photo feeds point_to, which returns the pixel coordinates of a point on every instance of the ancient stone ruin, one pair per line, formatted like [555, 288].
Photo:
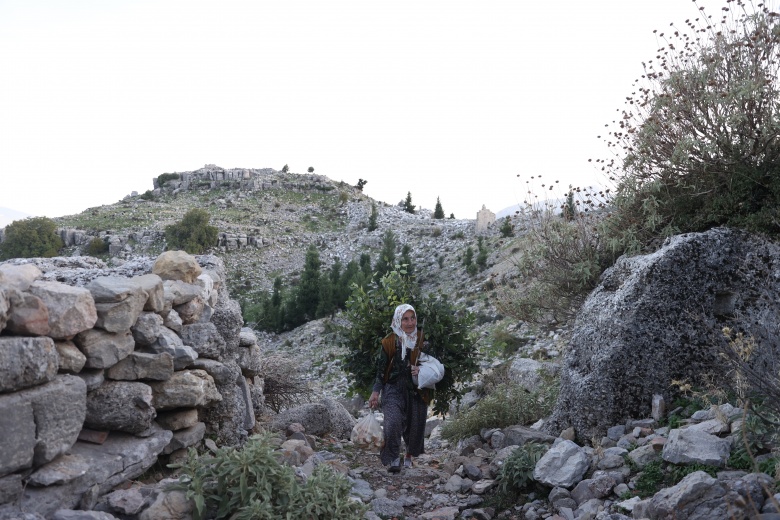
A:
[485, 218]
[103, 371]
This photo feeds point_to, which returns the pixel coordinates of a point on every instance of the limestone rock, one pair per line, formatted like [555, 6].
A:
[26, 362]
[140, 365]
[185, 438]
[59, 409]
[697, 497]
[28, 316]
[563, 465]
[528, 373]
[146, 329]
[178, 292]
[688, 446]
[629, 342]
[71, 309]
[185, 389]
[177, 265]
[120, 405]
[250, 360]
[314, 417]
[204, 338]
[168, 341]
[104, 349]
[178, 419]
[153, 287]
[19, 277]
[118, 301]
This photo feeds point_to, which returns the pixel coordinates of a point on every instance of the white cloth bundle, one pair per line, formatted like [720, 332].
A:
[431, 371]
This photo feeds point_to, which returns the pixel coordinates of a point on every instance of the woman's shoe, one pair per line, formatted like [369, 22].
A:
[395, 467]
[407, 462]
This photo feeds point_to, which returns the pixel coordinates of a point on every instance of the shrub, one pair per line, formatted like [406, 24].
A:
[147, 195]
[436, 232]
[284, 384]
[698, 133]
[97, 246]
[30, 238]
[311, 169]
[165, 177]
[518, 469]
[507, 404]
[360, 184]
[193, 233]
[251, 484]
[559, 262]
[506, 229]
[285, 169]
[447, 329]
[343, 197]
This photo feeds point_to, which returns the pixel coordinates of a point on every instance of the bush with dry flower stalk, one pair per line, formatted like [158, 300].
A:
[697, 144]
[283, 384]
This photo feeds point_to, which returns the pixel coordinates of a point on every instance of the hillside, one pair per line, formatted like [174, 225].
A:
[267, 224]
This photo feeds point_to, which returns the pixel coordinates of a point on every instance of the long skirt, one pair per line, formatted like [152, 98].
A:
[405, 415]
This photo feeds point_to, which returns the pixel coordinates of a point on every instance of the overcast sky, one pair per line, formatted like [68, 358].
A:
[448, 99]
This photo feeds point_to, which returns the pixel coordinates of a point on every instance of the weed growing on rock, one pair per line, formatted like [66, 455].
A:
[507, 404]
[518, 469]
[250, 483]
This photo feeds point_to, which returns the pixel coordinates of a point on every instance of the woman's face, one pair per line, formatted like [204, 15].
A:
[408, 322]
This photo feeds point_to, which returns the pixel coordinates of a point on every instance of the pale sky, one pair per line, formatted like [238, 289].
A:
[438, 98]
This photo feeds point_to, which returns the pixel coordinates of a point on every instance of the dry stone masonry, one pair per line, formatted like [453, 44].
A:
[102, 371]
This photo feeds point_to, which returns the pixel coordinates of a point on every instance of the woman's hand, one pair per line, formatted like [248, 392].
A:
[373, 401]
[415, 370]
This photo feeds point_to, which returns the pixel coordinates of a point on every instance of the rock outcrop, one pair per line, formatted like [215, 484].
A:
[658, 318]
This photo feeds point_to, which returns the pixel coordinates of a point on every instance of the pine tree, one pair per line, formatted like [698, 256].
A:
[408, 206]
[307, 294]
[438, 212]
[373, 217]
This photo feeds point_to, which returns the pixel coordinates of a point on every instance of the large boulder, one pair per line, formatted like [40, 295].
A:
[71, 309]
[658, 318]
[26, 362]
[177, 265]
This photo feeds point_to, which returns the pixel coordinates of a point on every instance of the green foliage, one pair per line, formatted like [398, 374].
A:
[360, 184]
[452, 216]
[372, 218]
[311, 169]
[343, 197]
[406, 260]
[505, 342]
[447, 329]
[97, 246]
[518, 469]
[285, 168]
[506, 229]
[408, 206]
[468, 261]
[386, 261]
[438, 212]
[193, 233]
[307, 294]
[147, 195]
[482, 254]
[251, 484]
[165, 177]
[30, 238]
[503, 406]
[658, 474]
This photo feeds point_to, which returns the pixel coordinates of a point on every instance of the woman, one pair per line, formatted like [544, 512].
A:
[405, 407]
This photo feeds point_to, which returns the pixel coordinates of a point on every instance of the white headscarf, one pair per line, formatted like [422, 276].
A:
[408, 341]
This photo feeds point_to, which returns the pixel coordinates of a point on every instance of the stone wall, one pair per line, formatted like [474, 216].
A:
[485, 218]
[103, 371]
